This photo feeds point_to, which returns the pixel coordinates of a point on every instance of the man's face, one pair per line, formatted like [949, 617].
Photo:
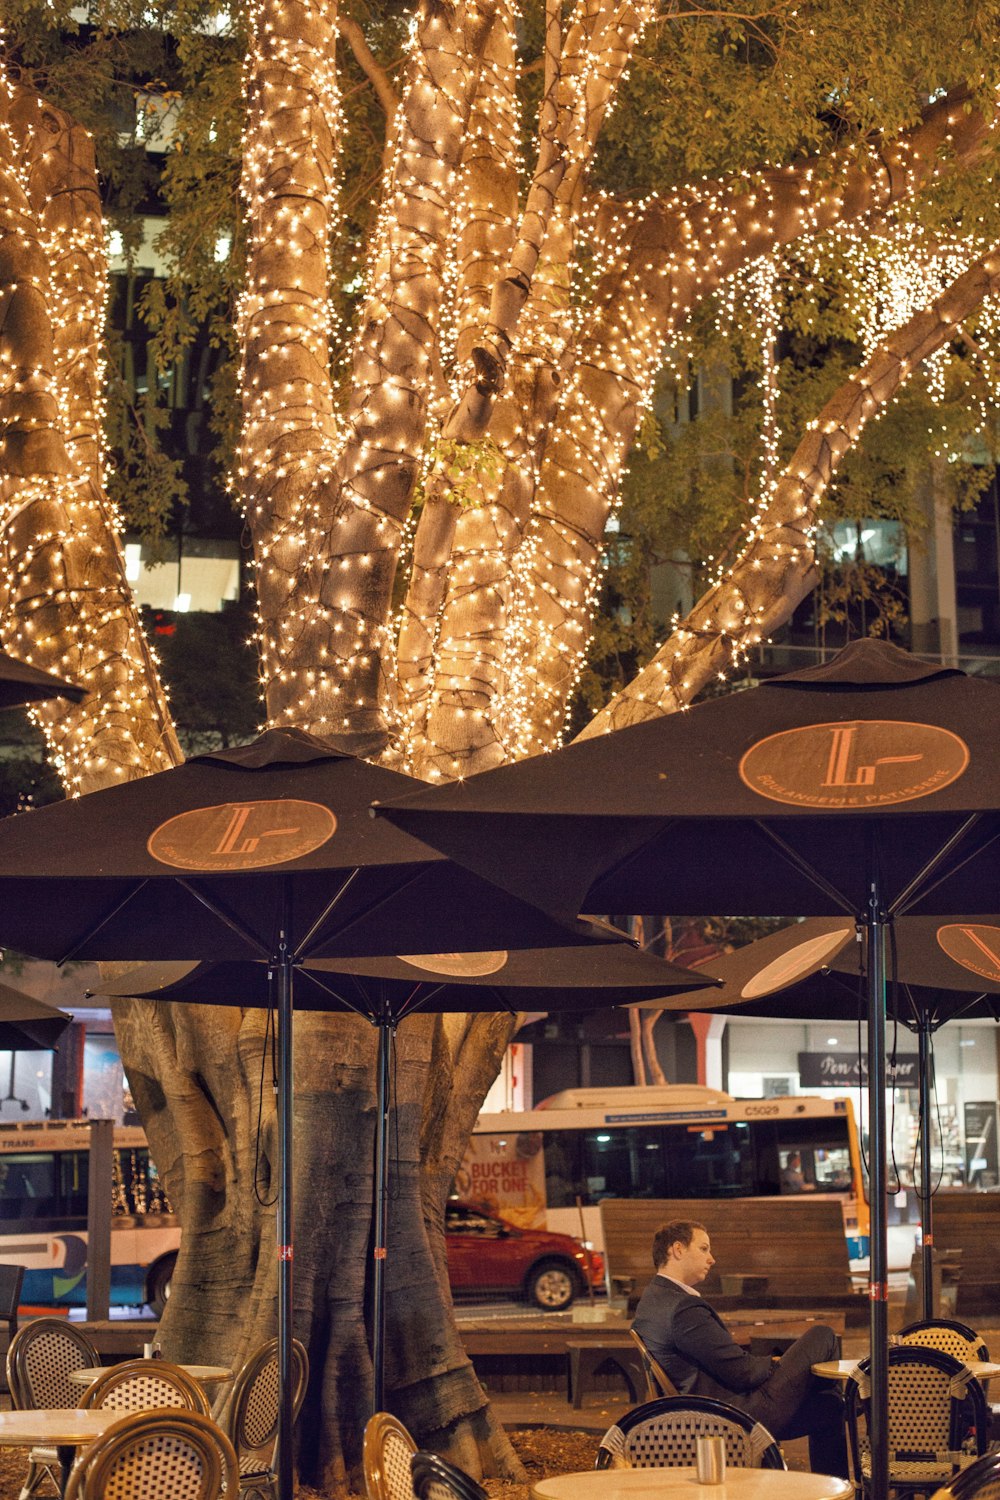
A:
[691, 1263]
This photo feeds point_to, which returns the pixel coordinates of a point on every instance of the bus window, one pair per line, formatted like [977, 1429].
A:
[623, 1163]
[73, 1167]
[815, 1151]
[711, 1163]
[28, 1185]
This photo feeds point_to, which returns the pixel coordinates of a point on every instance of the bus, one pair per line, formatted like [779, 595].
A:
[679, 1141]
[43, 1215]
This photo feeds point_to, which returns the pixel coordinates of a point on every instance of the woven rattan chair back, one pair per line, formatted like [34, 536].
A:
[663, 1433]
[166, 1454]
[980, 1481]
[658, 1382]
[40, 1359]
[951, 1337]
[388, 1449]
[434, 1478]
[937, 1419]
[252, 1420]
[145, 1384]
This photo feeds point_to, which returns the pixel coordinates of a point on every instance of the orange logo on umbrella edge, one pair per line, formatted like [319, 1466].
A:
[242, 835]
[974, 945]
[854, 764]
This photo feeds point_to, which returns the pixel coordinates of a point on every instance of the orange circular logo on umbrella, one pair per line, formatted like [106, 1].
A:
[457, 965]
[242, 835]
[974, 945]
[854, 764]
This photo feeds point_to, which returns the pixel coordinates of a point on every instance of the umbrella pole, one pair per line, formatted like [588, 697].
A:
[381, 1195]
[878, 1274]
[925, 1195]
[283, 972]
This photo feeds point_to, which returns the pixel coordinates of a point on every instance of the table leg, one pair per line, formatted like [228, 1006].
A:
[66, 1453]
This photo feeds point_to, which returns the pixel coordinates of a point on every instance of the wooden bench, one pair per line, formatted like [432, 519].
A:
[788, 1252]
[970, 1222]
[585, 1357]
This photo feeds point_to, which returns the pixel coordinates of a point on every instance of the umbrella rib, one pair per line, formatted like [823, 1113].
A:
[93, 931]
[330, 906]
[917, 889]
[387, 896]
[317, 979]
[233, 923]
[798, 862]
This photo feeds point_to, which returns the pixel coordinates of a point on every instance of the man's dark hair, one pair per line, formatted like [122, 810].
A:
[677, 1232]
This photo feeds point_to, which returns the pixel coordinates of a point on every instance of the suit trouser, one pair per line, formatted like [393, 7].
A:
[793, 1402]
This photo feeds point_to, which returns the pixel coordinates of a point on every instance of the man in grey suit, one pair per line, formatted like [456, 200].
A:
[702, 1358]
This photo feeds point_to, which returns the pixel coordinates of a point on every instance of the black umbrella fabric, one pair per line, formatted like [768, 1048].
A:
[21, 684]
[266, 851]
[816, 970]
[869, 786]
[26, 1025]
[385, 990]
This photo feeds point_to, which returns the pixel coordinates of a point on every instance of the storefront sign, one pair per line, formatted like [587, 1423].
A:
[981, 1144]
[843, 1070]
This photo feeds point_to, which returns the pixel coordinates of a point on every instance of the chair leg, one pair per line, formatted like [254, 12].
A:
[33, 1484]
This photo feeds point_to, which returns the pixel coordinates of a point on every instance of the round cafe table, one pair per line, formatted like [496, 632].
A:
[839, 1369]
[204, 1374]
[682, 1484]
[63, 1430]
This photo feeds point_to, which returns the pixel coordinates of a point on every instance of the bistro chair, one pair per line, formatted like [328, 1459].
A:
[145, 1385]
[658, 1382]
[951, 1337]
[937, 1419]
[388, 1448]
[39, 1361]
[164, 1454]
[980, 1481]
[252, 1420]
[663, 1433]
[435, 1478]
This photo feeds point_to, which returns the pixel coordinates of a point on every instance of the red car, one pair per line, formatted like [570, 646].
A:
[486, 1254]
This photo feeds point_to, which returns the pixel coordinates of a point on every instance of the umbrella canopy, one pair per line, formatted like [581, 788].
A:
[816, 970]
[26, 1025]
[200, 860]
[768, 802]
[266, 851]
[20, 684]
[869, 786]
[385, 990]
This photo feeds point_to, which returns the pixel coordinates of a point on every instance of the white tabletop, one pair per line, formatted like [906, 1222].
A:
[682, 1484]
[58, 1429]
[839, 1369]
[207, 1374]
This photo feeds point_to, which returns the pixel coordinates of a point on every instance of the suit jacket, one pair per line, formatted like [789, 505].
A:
[693, 1345]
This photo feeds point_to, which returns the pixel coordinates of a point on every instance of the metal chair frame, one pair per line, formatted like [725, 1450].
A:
[145, 1385]
[251, 1421]
[946, 1334]
[658, 1382]
[168, 1453]
[980, 1481]
[41, 1355]
[663, 1433]
[926, 1447]
[388, 1449]
[434, 1478]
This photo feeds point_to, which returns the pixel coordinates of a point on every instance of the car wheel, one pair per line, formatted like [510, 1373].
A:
[551, 1285]
[158, 1279]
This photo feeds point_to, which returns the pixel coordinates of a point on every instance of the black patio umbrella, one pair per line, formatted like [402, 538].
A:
[26, 1025]
[266, 851]
[816, 970]
[869, 785]
[21, 684]
[385, 990]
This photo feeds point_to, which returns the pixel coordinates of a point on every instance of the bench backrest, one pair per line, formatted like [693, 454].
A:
[970, 1222]
[799, 1245]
